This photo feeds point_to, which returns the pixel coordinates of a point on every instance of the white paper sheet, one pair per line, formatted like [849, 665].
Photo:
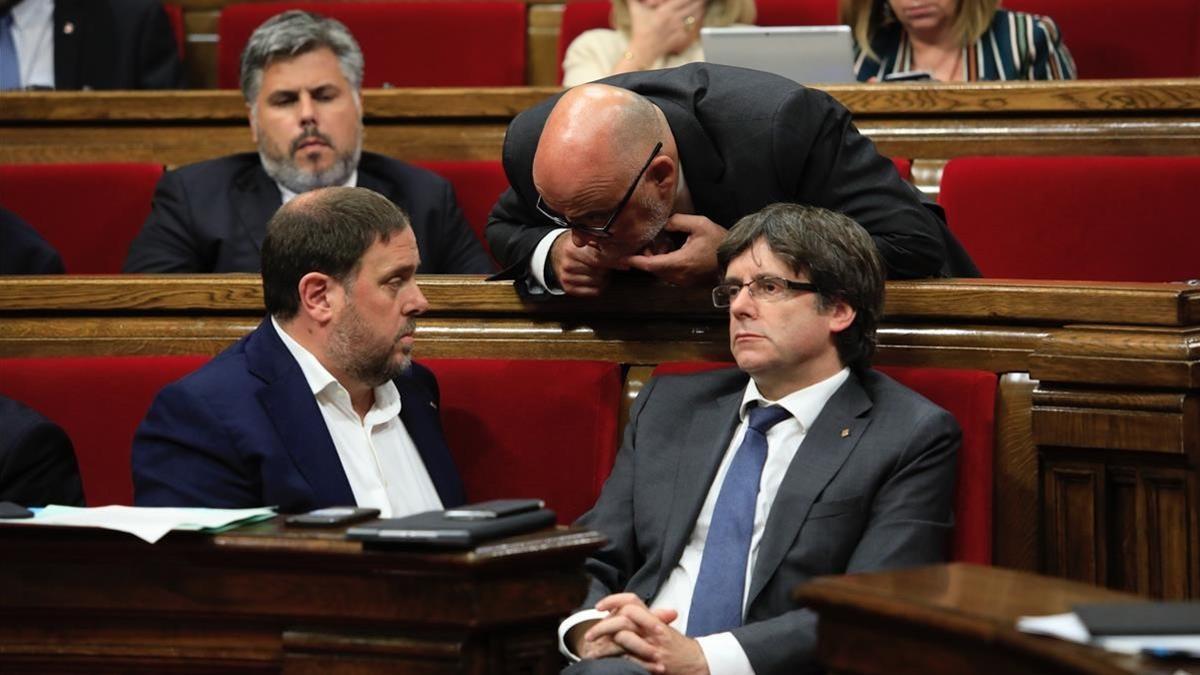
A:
[146, 523]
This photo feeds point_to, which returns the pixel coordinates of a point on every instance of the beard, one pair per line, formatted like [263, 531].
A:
[644, 240]
[363, 356]
[283, 169]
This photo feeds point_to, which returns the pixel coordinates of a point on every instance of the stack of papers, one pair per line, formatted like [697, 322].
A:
[1159, 629]
[148, 523]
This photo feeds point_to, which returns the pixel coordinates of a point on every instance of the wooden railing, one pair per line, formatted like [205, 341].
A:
[1098, 420]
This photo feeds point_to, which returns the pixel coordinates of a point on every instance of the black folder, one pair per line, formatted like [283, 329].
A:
[433, 529]
[1140, 618]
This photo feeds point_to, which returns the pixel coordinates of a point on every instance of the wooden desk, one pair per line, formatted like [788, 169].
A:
[272, 599]
[956, 619]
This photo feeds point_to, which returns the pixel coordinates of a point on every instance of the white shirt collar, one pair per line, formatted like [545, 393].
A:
[30, 13]
[288, 195]
[804, 404]
[322, 383]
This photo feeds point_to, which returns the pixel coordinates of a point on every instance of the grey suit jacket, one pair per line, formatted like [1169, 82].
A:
[871, 488]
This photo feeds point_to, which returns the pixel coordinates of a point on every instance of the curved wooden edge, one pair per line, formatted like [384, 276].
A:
[1093, 97]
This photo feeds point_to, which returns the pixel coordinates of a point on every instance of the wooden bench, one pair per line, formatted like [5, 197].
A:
[1097, 430]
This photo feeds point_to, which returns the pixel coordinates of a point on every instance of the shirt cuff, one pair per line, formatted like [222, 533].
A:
[537, 264]
[574, 620]
[724, 654]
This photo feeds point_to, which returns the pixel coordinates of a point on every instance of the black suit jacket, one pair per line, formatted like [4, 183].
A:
[114, 44]
[23, 250]
[871, 487]
[37, 462]
[747, 139]
[212, 217]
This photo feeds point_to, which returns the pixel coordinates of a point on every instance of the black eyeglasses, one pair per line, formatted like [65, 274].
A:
[600, 232]
[767, 288]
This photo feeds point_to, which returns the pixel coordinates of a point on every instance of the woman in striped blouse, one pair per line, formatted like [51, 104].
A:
[954, 40]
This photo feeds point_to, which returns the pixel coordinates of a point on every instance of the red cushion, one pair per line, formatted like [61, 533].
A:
[90, 213]
[903, 167]
[98, 401]
[1091, 218]
[175, 16]
[477, 184]
[1148, 38]
[968, 395]
[524, 428]
[404, 44]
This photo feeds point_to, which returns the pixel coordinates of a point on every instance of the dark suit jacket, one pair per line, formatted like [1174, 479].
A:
[212, 217]
[23, 250]
[880, 496]
[245, 431]
[37, 462]
[747, 139]
[114, 44]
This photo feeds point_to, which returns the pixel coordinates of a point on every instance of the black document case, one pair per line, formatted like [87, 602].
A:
[1140, 618]
[434, 529]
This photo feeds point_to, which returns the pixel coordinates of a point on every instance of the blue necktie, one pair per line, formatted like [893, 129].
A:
[720, 585]
[10, 69]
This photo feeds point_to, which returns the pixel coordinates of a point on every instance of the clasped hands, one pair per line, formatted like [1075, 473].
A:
[583, 270]
[635, 632]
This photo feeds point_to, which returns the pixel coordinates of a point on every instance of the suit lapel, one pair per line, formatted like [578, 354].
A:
[69, 20]
[420, 417]
[833, 436]
[703, 166]
[706, 440]
[255, 199]
[298, 421]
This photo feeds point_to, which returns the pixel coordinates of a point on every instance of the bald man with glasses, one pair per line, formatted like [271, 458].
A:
[648, 170]
[733, 486]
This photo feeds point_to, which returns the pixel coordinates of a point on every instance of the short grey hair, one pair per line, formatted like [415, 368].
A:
[292, 33]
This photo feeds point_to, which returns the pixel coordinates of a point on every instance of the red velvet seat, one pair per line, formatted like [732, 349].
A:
[581, 15]
[90, 213]
[404, 44]
[98, 401]
[525, 428]
[175, 16]
[969, 395]
[1089, 218]
[477, 183]
[1148, 38]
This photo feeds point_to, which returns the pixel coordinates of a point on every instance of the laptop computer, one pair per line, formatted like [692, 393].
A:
[805, 54]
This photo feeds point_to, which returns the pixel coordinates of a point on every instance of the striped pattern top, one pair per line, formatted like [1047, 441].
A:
[1016, 46]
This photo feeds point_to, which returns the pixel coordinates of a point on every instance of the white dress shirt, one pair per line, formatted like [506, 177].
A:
[33, 37]
[723, 652]
[381, 461]
[288, 195]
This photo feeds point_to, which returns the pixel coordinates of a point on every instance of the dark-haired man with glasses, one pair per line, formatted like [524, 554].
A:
[647, 171]
[733, 486]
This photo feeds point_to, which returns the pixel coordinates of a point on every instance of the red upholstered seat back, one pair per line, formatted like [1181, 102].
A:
[1148, 38]
[98, 401]
[969, 395]
[175, 16]
[1090, 218]
[477, 184]
[89, 213]
[404, 44]
[903, 167]
[525, 428]
[581, 15]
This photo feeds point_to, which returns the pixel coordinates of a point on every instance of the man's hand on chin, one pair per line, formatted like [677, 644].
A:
[692, 264]
[579, 269]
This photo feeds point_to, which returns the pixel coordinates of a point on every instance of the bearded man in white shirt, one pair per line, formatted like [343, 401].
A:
[321, 404]
[733, 486]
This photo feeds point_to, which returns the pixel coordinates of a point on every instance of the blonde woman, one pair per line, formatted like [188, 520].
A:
[649, 34]
[954, 40]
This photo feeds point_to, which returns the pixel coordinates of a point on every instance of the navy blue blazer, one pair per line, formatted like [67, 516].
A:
[114, 44]
[37, 460]
[245, 431]
[212, 217]
[23, 250]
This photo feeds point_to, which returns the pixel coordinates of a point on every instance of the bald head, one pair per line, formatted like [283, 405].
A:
[595, 138]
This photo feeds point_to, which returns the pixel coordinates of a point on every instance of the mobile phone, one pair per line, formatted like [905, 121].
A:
[332, 515]
[908, 76]
[495, 508]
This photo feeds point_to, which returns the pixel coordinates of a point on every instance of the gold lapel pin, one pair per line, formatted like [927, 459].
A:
[68, 28]
[845, 432]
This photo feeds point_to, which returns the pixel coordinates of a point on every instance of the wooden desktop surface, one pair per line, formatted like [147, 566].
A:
[268, 598]
[958, 618]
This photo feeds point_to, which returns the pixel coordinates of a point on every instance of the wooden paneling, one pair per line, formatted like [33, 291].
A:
[1073, 535]
[924, 122]
[1015, 480]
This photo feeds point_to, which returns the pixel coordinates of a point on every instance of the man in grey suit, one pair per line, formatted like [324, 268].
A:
[734, 486]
